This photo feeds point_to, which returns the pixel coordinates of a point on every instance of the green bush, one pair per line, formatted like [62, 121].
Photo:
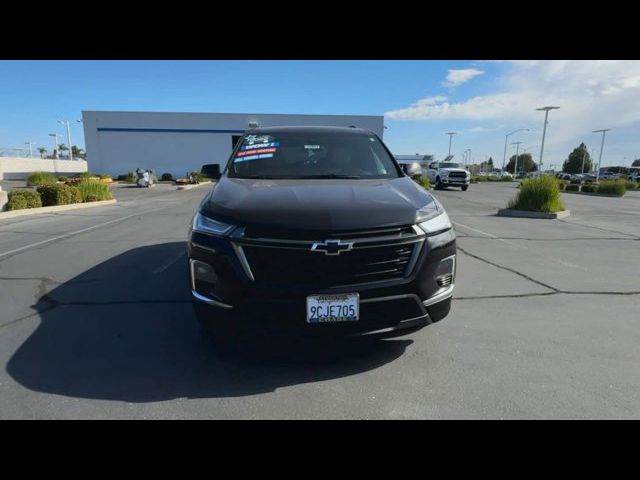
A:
[94, 190]
[58, 194]
[129, 178]
[166, 177]
[562, 184]
[589, 188]
[572, 187]
[198, 177]
[104, 176]
[423, 182]
[616, 187]
[62, 178]
[21, 199]
[36, 179]
[631, 185]
[539, 194]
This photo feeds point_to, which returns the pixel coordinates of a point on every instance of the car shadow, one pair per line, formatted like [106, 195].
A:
[125, 330]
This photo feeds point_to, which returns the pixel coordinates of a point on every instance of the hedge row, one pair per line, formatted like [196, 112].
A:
[59, 194]
[609, 187]
[21, 199]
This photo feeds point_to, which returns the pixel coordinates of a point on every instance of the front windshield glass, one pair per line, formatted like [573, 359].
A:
[450, 165]
[307, 154]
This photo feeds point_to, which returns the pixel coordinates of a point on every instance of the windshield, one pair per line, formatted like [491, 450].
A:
[312, 155]
[450, 165]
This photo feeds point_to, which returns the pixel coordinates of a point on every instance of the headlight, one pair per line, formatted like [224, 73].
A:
[439, 223]
[444, 173]
[209, 226]
[432, 218]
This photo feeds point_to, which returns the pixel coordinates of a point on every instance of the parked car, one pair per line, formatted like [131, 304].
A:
[448, 174]
[414, 170]
[316, 230]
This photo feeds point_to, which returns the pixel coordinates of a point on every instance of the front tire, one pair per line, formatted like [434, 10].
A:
[464, 188]
[438, 184]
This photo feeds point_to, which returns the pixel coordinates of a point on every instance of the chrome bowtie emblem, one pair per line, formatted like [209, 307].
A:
[331, 247]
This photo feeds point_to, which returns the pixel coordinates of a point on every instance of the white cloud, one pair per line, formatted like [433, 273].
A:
[592, 94]
[456, 78]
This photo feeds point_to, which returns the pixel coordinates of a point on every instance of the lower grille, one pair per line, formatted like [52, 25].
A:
[457, 175]
[306, 268]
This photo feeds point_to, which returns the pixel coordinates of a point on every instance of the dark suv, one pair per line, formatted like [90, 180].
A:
[317, 230]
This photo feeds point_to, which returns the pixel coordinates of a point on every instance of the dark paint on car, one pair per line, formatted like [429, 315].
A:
[307, 211]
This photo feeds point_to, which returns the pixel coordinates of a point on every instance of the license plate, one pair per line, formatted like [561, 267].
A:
[333, 308]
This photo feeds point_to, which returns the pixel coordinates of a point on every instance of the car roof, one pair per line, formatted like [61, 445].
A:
[308, 129]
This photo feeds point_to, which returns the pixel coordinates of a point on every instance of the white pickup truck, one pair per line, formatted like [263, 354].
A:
[448, 174]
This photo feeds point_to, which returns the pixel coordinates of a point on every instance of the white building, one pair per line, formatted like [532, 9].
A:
[177, 143]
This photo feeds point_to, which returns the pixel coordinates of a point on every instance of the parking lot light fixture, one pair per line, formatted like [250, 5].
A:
[506, 139]
[544, 129]
[66, 124]
[451, 134]
[515, 165]
[55, 144]
[604, 132]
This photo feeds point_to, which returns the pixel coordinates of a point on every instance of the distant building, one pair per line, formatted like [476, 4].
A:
[177, 143]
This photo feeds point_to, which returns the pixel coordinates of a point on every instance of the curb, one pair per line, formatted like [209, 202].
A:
[508, 212]
[53, 209]
[593, 194]
[196, 185]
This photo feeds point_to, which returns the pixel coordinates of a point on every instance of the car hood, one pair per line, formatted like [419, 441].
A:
[331, 205]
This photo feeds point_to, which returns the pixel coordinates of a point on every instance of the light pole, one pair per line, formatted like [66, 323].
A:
[30, 148]
[451, 134]
[584, 156]
[66, 124]
[506, 138]
[544, 129]
[55, 144]
[468, 157]
[515, 165]
[604, 132]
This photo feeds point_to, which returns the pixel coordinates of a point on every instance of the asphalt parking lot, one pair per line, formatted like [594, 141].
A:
[96, 322]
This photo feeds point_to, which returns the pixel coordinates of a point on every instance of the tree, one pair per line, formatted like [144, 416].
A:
[636, 163]
[42, 151]
[487, 166]
[525, 163]
[78, 152]
[573, 164]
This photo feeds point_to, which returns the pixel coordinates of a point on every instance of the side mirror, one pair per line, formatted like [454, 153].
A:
[211, 171]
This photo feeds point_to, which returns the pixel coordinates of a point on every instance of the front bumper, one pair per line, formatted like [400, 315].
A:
[455, 181]
[240, 301]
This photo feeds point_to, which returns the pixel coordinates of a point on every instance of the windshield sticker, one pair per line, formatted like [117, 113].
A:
[260, 145]
[256, 151]
[253, 157]
[251, 139]
[312, 147]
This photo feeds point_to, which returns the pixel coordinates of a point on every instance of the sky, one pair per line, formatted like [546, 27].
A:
[421, 100]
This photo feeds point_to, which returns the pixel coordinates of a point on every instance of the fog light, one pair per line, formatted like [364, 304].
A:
[203, 277]
[446, 271]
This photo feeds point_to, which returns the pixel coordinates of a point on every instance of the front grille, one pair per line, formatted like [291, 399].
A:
[457, 175]
[301, 266]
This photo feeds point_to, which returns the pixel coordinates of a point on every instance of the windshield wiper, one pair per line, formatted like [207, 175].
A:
[330, 175]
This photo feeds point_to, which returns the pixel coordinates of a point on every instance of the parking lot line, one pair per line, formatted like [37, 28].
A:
[71, 234]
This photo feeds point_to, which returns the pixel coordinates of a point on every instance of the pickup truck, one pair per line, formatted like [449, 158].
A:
[448, 174]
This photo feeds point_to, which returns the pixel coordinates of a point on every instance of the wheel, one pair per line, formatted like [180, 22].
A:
[464, 188]
[438, 184]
